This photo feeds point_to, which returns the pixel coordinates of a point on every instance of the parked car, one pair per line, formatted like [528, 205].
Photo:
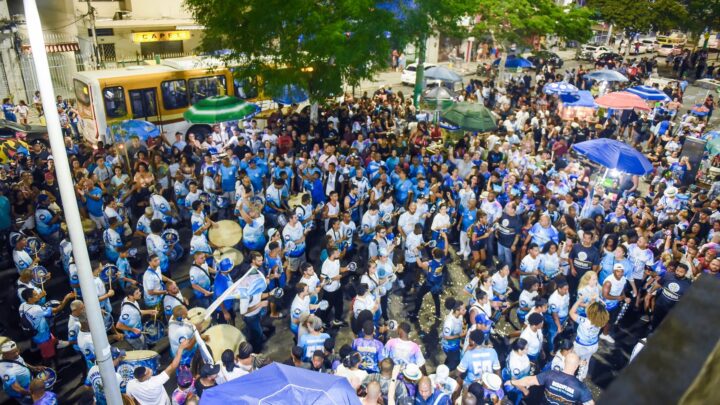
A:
[591, 52]
[605, 57]
[408, 75]
[669, 49]
[550, 57]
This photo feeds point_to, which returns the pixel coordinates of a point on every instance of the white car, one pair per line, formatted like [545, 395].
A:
[592, 52]
[647, 45]
[669, 49]
[599, 50]
[408, 75]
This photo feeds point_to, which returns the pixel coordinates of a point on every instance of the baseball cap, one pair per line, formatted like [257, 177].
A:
[272, 232]
[208, 370]
[8, 346]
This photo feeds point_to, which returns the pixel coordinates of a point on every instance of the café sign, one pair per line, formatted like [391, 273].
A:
[162, 36]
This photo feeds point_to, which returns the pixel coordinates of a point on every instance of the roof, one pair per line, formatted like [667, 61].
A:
[167, 65]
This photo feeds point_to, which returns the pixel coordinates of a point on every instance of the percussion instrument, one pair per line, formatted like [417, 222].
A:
[226, 233]
[196, 316]
[320, 205]
[205, 198]
[364, 230]
[109, 272]
[170, 236]
[392, 324]
[352, 267]
[34, 245]
[228, 253]
[51, 304]
[14, 237]
[277, 292]
[296, 200]
[132, 252]
[222, 202]
[431, 244]
[134, 359]
[154, 331]
[282, 220]
[223, 337]
[88, 225]
[40, 275]
[290, 246]
[309, 225]
[323, 305]
[48, 375]
[387, 217]
[54, 207]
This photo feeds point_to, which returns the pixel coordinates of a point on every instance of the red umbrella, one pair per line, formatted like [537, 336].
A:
[622, 100]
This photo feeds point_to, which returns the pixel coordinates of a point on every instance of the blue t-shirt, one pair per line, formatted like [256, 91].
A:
[227, 177]
[562, 388]
[310, 343]
[94, 207]
[477, 362]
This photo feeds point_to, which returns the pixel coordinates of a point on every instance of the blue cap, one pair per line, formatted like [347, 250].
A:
[226, 264]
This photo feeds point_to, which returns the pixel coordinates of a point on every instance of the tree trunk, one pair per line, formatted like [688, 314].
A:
[420, 72]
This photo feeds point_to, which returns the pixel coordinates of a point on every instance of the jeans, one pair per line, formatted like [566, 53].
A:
[452, 359]
[505, 255]
[335, 299]
[552, 330]
[253, 329]
[419, 300]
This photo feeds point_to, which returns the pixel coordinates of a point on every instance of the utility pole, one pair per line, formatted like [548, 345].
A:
[96, 47]
[70, 206]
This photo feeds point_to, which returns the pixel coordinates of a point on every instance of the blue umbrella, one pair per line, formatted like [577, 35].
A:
[443, 74]
[607, 75]
[648, 93]
[514, 62]
[583, 98]
[560, 88]
[614, 155]
[280, 384]
[128, 128]
[291, 94]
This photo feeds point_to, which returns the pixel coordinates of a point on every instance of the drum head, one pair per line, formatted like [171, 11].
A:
[352, 266]
[228, 253]
[226, 233]
[323, 305]
[39, 275]
[49, 376]
[33, 245]
[432, 243]
[88, 225]
[223, 337]
[109, 272]
[196, 316]
[170, 236]
[135, 355]
[277, 292]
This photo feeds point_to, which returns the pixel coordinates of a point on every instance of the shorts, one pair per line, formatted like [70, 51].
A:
[47, 348]
[100, 222]
[584, 352]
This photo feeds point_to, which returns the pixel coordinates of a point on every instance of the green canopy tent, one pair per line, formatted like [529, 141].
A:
[217, 109]
[470, 117]
[438, 95]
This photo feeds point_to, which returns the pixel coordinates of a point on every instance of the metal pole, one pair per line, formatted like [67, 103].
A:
[70, 208]
[96, 47]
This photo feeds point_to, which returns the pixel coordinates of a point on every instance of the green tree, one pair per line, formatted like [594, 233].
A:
[702, 15]
[317, 45]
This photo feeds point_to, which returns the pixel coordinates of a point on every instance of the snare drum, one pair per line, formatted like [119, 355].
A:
[40, 275]
[154, 331]
[170, 236]
[48, 375]
[135, 359]
[109, 272]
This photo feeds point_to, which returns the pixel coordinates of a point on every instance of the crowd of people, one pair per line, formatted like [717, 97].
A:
[343, 212]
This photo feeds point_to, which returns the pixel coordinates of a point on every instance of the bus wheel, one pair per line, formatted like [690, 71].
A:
[201, 131]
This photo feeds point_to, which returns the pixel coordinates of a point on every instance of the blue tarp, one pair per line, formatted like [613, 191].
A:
[514, 62]
[614, 155]
[583, 98]
[277, 384]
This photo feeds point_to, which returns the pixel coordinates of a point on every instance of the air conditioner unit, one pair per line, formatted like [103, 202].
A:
[122, 15]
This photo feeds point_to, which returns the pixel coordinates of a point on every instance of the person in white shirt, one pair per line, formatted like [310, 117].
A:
[533, 334]
[147, 389]
[333, 273]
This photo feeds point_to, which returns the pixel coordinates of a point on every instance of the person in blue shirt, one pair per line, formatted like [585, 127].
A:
[255, 174]
[313, 340]
[222, 282]
[91, 196]
[47, 223]
[9, 110]
[478, 359]
[15, 373]
[402, 188]
[38, 316]
[433, 280]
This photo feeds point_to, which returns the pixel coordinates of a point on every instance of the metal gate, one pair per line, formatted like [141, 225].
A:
[62, 66]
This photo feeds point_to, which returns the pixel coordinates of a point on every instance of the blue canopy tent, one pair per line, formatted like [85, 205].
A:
[614, 155]
[290, 94]
[582, 98]
[607, 75]
[281, 384]
[514, 62]
[560, 88]
[580, 105]
[648, 93]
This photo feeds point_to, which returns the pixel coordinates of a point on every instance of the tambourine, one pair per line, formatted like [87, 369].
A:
[40, 274]
[222, 202]
[387, 217]
[282, 220]
[277, 292]
[33, 245]
[433, 209]
[290, 245]
[431, 243]
[109, 272]
[352, 267]
[323, 305]
[48, 376]
[51, 304]
[364, 230]
[170, 236]
[392, 325]
[205, 198]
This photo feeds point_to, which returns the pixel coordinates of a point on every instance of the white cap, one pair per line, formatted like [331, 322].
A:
[8, 346]
[492, 381]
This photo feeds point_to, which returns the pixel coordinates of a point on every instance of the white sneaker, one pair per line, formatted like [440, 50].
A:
[607, 338]
[645, 318]
[62, 344]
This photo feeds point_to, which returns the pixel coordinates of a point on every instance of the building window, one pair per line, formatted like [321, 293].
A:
[204, 87]
[107, 52]
[114, 98]
[174, 94]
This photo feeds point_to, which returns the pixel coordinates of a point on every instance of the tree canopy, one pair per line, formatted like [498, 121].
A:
[641, 15]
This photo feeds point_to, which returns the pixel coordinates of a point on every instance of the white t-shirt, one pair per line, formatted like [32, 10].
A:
[150, 392]
[330, 269]
[534, 339]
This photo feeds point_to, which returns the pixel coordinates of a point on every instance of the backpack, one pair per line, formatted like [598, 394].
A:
[26, 325]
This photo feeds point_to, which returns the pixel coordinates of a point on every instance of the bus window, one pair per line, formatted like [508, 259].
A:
[204, 87]
[114, 102]
[174, 94]
[143, 103]
[82, 92]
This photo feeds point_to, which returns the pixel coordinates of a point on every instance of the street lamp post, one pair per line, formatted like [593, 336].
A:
[70, 208]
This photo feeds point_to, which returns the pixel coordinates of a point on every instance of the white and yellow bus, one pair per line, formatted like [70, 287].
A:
[156, 93]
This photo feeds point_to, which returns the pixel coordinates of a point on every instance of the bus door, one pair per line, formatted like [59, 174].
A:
[143, 104]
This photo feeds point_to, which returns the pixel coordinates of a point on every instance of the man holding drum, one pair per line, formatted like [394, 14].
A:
[130, 322]
[147, 389]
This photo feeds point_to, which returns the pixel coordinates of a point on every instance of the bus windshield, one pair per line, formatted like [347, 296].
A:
[82, 93]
